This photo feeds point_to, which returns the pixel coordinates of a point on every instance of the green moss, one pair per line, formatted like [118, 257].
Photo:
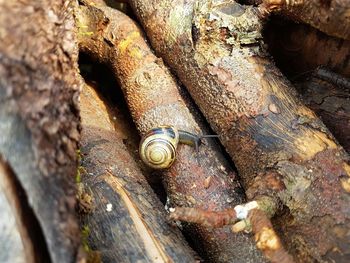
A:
[78, 177]
[268, 205]
[80, 171]
[85, 232]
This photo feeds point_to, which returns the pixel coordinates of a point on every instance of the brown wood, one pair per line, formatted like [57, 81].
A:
[331, 17]
[39, 122]
[122, 220]
[281, 149]
[299, 49]
[201, 180]
[331, 103]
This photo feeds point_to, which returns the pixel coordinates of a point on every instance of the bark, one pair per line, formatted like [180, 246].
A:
[201, 180]
[122, 219]
[299, 49]
[330, 17]
[39, 117]
[12, 249]
[331, 103]
[281, 149]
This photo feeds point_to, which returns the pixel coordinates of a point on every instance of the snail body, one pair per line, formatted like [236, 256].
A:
[158, 146]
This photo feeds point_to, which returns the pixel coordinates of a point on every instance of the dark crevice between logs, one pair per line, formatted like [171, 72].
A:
[298, 49]
[31, 233]
[99, 73]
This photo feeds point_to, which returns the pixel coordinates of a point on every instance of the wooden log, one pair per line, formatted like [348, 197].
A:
[330, 17]
[201, 180]
[122, 219]
[331, 103]
[299, 49]
[39, 123]
[281, 149]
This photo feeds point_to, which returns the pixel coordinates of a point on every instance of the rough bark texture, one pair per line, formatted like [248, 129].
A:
[204, 179]
[266, 238]
[39, 116]
[329, 16]
[279, 146]
[299, 49]
[331, 103]
[122, 219]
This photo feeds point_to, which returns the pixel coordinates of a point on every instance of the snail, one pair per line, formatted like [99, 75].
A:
[158, 146]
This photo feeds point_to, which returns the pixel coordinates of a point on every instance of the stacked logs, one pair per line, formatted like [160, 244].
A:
[254, 110]
[282, 151]
[281, 193]
[115, 199]
[202, 180]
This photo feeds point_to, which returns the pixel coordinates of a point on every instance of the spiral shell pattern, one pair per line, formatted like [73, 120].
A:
[158, 147]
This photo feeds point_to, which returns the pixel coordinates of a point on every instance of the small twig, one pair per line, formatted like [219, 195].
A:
[267, 239]
[203, 217]
[251, 214]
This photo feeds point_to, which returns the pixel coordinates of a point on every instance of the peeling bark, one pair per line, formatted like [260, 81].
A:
[122, 219]
[203, 179]
[39, 122]
[280, 147]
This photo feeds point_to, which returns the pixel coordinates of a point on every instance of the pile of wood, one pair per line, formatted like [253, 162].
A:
[81, 82]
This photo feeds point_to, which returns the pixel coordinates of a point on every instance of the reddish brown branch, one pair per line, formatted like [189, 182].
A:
[266, 238]
[204, 217]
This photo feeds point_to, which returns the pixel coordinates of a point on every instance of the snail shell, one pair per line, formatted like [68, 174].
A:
[158, 147]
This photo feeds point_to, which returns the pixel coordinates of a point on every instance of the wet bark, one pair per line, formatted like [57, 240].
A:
[39, 122]
[280, 147]
[201, 180]
[122, 220]
[331, 103]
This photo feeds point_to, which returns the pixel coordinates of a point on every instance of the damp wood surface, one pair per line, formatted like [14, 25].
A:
[331, 103]
[39, 122]
[201, 179]
[122, 220]
[280, 148]
[292, 200]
